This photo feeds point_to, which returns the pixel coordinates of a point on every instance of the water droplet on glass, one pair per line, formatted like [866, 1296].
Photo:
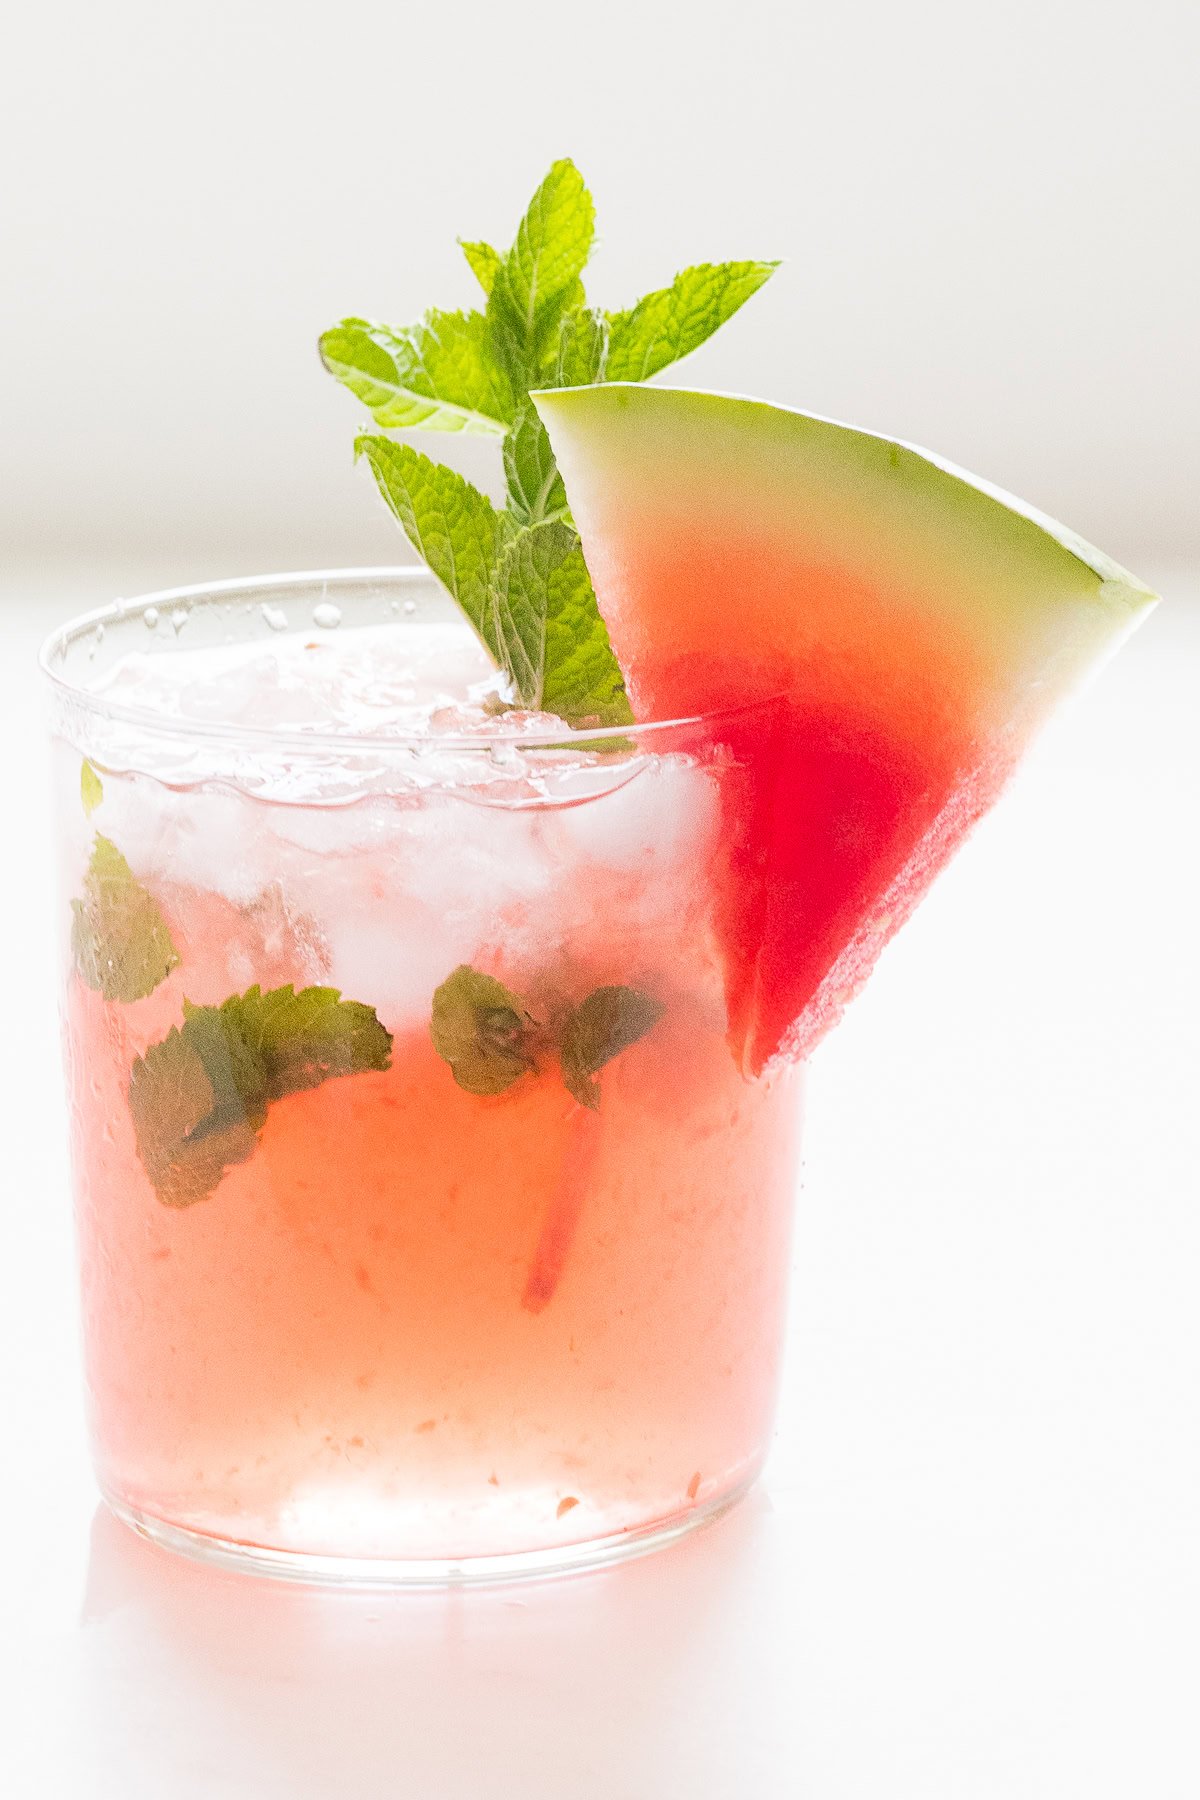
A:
[327, 615]
[150, 618]
[100, 633]
[274, 618]
[179, 619]
[410, 607]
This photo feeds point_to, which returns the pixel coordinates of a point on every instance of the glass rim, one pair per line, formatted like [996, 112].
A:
[264, 737]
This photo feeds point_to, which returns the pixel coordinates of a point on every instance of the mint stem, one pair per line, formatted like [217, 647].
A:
[566, 1208]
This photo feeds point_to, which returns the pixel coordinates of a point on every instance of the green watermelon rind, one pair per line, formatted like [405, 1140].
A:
[882, 461]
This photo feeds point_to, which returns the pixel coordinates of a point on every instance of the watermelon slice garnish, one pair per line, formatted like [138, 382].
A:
[906, 626]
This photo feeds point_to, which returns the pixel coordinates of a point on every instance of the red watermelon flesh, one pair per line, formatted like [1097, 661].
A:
[903, 626]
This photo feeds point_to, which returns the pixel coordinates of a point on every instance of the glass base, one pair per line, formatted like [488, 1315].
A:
[426, 1572]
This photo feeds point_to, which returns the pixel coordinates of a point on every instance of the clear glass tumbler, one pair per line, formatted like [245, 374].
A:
[428, 1228]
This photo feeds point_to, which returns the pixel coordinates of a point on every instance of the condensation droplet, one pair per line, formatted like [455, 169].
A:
[327, 616]
[100, 633]
[179, 619]
[274, 618]
[150, 618]
[410, 607]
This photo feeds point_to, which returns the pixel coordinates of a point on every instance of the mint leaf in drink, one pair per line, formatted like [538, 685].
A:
[300, 1037]
[483, 1031]
[674, 321]
[91, 788]
[200, 1097]
[535, 488]
[450, 524]
[550, 636]
[539, 278]
[607, 1022]
[440, 375]
[119, 939]
[484, 262]
[190, 1123]
[490, 1039]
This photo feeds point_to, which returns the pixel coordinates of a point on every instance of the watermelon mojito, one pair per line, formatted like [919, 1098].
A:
[443, 948]
[424, 1214]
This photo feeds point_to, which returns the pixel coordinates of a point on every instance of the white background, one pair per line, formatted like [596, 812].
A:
[974, 1568]
[987, 211]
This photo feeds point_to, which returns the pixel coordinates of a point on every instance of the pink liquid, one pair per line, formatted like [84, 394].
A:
[350, 1348]
[419, 1323]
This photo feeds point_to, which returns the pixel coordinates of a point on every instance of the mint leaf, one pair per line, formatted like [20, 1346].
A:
[200, 1097]
[539, 278]
[189, 1126]
[449, 523]
[91, 788]
[119, 938]
[550, 636]
[673, 321]
[301, 1037]
[484, 262]
[483, 1031]
[607, 1022]
[535, 489]
[440, 375]
[490, 1040]
[581, 354]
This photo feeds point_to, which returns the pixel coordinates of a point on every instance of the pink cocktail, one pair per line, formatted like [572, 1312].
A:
[428, 1223]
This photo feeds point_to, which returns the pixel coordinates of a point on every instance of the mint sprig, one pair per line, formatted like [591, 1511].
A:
[200, 1097]
[491, 1037]
[120, 940]
[473, 372]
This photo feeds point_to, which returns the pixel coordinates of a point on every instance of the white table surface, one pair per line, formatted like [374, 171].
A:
[973, 1569]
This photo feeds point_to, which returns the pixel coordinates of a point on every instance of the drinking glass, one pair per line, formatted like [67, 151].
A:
[428, 1227]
